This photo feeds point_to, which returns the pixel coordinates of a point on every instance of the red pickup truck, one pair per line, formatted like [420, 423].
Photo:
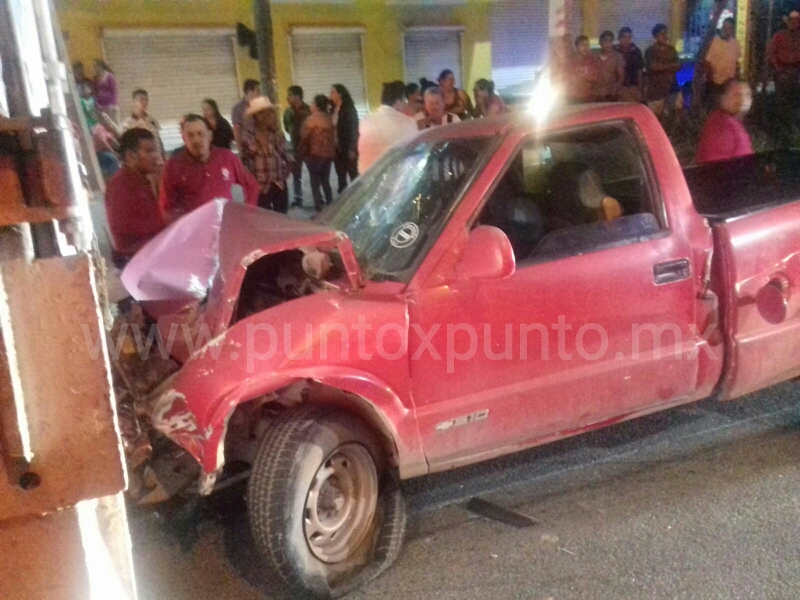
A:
[488, 287]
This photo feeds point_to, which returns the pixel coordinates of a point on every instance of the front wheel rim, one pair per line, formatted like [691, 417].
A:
[341, 503]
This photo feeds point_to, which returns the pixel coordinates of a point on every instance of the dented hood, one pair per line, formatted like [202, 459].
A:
[215, 244]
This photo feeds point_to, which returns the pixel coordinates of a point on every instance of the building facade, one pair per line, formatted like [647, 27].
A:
[182, 51]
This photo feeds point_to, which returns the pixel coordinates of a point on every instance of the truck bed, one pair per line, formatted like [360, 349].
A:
[753, 204]
[727, 190]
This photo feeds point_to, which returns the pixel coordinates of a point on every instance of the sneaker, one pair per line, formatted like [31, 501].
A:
[298, 202]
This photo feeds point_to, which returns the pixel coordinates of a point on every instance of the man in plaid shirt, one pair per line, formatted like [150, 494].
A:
[265, 156]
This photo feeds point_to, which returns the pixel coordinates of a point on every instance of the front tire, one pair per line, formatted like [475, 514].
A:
[325, 510]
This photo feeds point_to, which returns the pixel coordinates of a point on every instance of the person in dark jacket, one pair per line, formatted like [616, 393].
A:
[221, 129]
[345, 127]
[293, 119]
[634, 66]
[662, 63]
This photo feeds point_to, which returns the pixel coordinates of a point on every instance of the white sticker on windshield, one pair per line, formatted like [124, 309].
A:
[405, 235]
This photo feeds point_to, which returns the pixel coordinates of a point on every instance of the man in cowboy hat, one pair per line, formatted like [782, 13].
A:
[784, 55]
[265, 155]
[201, 173]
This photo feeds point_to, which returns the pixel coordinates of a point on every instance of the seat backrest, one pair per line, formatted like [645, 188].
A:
[596, 236]
[525, 226]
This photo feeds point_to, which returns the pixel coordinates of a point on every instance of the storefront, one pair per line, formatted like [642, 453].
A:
[178, 68]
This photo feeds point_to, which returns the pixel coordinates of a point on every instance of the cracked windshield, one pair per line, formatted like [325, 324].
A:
[392, 212]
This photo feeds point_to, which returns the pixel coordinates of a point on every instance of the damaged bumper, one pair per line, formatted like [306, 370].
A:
[193, 278]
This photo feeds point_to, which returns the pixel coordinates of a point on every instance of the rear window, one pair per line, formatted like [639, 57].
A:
[731, 188]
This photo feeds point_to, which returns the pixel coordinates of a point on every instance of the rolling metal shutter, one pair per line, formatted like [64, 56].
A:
[520, 37]
[178, 68]
[639, 15]
[322, 57]
[430, 50]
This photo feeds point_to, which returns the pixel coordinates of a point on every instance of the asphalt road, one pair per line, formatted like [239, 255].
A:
[700, 502]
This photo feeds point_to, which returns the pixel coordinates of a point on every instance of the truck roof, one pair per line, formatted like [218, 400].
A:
[560, 117]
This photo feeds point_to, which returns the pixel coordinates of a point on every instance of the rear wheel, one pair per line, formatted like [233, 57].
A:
[325, 510]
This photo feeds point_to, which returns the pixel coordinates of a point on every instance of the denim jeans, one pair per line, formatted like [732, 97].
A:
[345, 166]
[275, 198]
[320, 171]
[109, 164]
[297, 180]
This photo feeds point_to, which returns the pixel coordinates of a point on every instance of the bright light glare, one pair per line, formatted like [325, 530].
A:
[104, 582]
[544, 97]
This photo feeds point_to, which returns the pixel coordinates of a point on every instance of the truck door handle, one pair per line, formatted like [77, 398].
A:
[672, 271]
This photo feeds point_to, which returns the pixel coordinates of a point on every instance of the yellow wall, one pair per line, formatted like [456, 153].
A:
[743, 27]
[591, 20]
[677, 23]
[83, 22]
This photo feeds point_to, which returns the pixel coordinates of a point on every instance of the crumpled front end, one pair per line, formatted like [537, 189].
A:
[171, 417]
[191, 284]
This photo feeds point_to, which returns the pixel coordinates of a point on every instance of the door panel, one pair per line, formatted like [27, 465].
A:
[595, 363]
[596, 323]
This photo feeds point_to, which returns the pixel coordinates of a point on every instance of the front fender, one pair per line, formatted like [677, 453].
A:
[381, 407]
[193, 407]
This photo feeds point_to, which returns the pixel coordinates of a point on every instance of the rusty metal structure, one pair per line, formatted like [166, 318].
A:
[63, 528]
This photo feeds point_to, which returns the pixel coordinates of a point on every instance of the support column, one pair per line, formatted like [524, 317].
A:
[742, 31]
[591, 19]
[266, 51]
[562, 15]
[677, 23]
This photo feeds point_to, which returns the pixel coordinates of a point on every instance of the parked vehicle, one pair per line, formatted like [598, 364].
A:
[486, 288]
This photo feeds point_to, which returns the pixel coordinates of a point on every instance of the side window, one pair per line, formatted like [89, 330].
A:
[573, 193]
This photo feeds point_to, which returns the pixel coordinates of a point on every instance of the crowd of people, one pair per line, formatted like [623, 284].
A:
[783, 52]
[151, 190]
[146, 190]
[620, 72]
[101, 112]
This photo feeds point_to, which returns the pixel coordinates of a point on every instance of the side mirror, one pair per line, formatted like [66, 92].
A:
[487, 255]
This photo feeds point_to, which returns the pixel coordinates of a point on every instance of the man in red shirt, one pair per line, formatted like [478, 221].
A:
[131, 204]
[724, 136]
[201, 173]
